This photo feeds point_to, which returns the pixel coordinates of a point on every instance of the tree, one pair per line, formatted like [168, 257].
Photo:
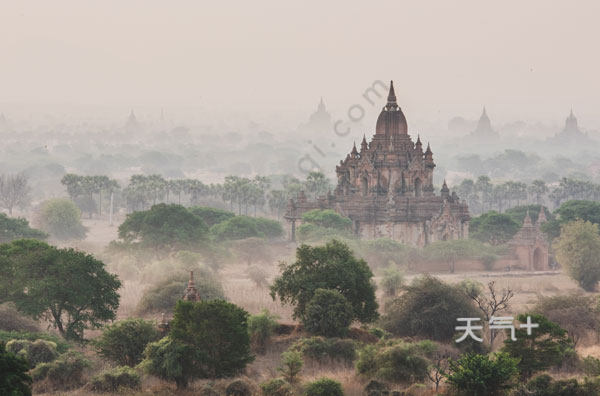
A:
[67, 287]
[479, 375]
[242, 227]
[324, 387]
[491, 304]
[170, 360]
[317, 184]
[327, 218]
[14, 191]
[392, 281]
[493, 227]
[164, 227]
[332, 266]
[538, 189]
[578, 251]
[291, 365]
[544, 348]
[571, 211]
[217, 333]
[211, 216]
[261, 327]
[328, 314]
[124, 341]
[11, 229]
[428, 309]
[578, 314]
[14, 380]
[61, 219]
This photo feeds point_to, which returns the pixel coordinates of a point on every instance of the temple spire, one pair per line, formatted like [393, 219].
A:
[392, 94]
[527, 220]
[363, 144]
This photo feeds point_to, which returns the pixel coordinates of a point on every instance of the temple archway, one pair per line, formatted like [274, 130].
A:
[364, 185]
[418, 187]
[538, 264]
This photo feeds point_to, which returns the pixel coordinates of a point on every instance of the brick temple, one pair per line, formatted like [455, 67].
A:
[386, 188]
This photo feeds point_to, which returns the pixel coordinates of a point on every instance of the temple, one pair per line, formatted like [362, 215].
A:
[529, 245]
[386, 188]
[484, 127]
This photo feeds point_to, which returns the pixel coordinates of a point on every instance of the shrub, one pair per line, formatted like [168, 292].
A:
[392, 281]
[61, 218]
[258, 276]
[124, 341]
[66, 372]
[276, 387]
[327, 218]
[164, 296]
[428, 309]
[313, 233]
[36, 352]
[591, 366]
[14, 380]
[291, 365]
[332, 266]
[12, 320]
[544, 385]
[324, 387]
[323, 349]
[217, 334]
[396, 361]
[328, 314]
[474, 374]
[242, 227]
[238, 388]
[61, 345]
[116, 379]
[261, 327]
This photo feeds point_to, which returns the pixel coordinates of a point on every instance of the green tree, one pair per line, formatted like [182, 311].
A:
[493, 227]
[332, 266]
[578, 251]
[570, 211]
[478, 375]
[14, 380]
[211, 216]
[544, 348]
[239, 227]
[217, 332]
[428, 308]
[11, 229]
[170, 360]
[392, 281]
[291, 365]
[124, 341]
[67, 287]
[261, 327]
[327, 218]
[164, 227]
[328, 314]
[324, 387]
[61, 219]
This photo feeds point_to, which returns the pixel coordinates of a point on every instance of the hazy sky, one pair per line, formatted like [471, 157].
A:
[522, 59]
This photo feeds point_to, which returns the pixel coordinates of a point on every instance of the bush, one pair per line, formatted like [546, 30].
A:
[327, 218]
[238, 388]
[124, 341]
[328, 314]
[14, 380]
[164, 296]
[324, 387]
[396, 361]
[474, 374]
[12, 320]
[428, 309]
[170, 360]
[242, 227]
[261, 327]
[276, 387]
[66, 372]
[544, 385]
[324, 349]
[36, 352]
[116, 379]
[61, 218]
[392, 281]
[591, 366]
[61, 345]
[258, 276]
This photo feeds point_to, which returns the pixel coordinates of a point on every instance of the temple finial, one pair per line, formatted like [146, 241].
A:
[392, 94]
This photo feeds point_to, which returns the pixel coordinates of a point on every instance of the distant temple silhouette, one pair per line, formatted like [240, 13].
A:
[484, 127]
[319, 121]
